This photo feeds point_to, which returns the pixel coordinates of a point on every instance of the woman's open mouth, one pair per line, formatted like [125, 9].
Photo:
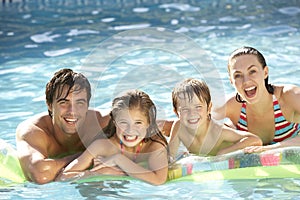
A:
[250, 92]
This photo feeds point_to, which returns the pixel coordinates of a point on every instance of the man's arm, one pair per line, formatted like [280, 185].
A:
[32, 146]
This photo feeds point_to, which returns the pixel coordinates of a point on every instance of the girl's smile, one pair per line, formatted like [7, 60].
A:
[131, 126]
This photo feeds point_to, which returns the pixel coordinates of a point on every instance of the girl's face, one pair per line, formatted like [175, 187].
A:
[131, 126]
[193, 113]
[247, 75]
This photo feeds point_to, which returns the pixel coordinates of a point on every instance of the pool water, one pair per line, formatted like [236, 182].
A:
[149, 45]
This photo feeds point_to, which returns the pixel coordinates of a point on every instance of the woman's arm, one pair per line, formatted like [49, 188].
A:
[230, 111]
[291, 96]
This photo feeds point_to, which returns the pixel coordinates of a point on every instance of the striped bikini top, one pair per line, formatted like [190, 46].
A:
[283, 128]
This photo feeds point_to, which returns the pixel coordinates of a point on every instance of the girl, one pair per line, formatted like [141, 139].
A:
[270, 111]
[195, 128]
[132, 138]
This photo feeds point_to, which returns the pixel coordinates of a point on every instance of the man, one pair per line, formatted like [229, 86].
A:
[46, 143]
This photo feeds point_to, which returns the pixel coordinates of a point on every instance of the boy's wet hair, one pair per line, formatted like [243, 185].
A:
[250, 51]
[66, 78]
[187, 89]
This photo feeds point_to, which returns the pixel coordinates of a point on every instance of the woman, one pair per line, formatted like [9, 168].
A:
[270, 111]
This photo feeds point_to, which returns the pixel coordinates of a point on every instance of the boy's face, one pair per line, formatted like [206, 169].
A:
[192, 113]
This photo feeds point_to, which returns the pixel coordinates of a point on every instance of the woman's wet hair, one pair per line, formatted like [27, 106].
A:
[66, 78]
[250, 51]
[187, 89]
[135, 99]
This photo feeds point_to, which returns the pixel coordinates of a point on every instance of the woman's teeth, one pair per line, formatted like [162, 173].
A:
[250, 92]
[250, 88]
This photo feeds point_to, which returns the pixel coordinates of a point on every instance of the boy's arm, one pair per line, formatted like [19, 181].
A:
[240, 140]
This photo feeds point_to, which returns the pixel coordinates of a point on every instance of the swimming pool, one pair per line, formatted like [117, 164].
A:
[39, 37]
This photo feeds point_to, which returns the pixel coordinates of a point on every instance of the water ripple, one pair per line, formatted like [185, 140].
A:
[290, 10]
[274, 30]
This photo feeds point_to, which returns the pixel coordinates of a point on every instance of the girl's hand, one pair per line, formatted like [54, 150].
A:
[109, 171]
[105, 162]
[97, 160]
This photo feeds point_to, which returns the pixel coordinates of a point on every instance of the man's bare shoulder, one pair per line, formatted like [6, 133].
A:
[101, 117]
[37, 123]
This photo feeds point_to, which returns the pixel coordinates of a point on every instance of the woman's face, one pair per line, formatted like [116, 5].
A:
[192, 113]
[131, 126]
[247, 76]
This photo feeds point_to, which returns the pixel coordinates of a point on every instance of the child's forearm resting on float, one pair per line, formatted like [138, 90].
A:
[156, 176]
[247, 139]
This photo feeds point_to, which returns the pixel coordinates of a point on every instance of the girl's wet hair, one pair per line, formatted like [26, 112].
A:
[136, 99]
[66, 78]
[187, 88]
[250, 51]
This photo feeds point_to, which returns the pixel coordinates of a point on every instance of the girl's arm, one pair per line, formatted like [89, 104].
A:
[157, 163]
[76, 169]
[240, 140]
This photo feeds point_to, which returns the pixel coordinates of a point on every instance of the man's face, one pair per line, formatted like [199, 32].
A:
[69, 112]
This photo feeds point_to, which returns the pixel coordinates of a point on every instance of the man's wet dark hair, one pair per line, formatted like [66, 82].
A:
[66, 78]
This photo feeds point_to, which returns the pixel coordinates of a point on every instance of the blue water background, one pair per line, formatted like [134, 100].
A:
[39, 37]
